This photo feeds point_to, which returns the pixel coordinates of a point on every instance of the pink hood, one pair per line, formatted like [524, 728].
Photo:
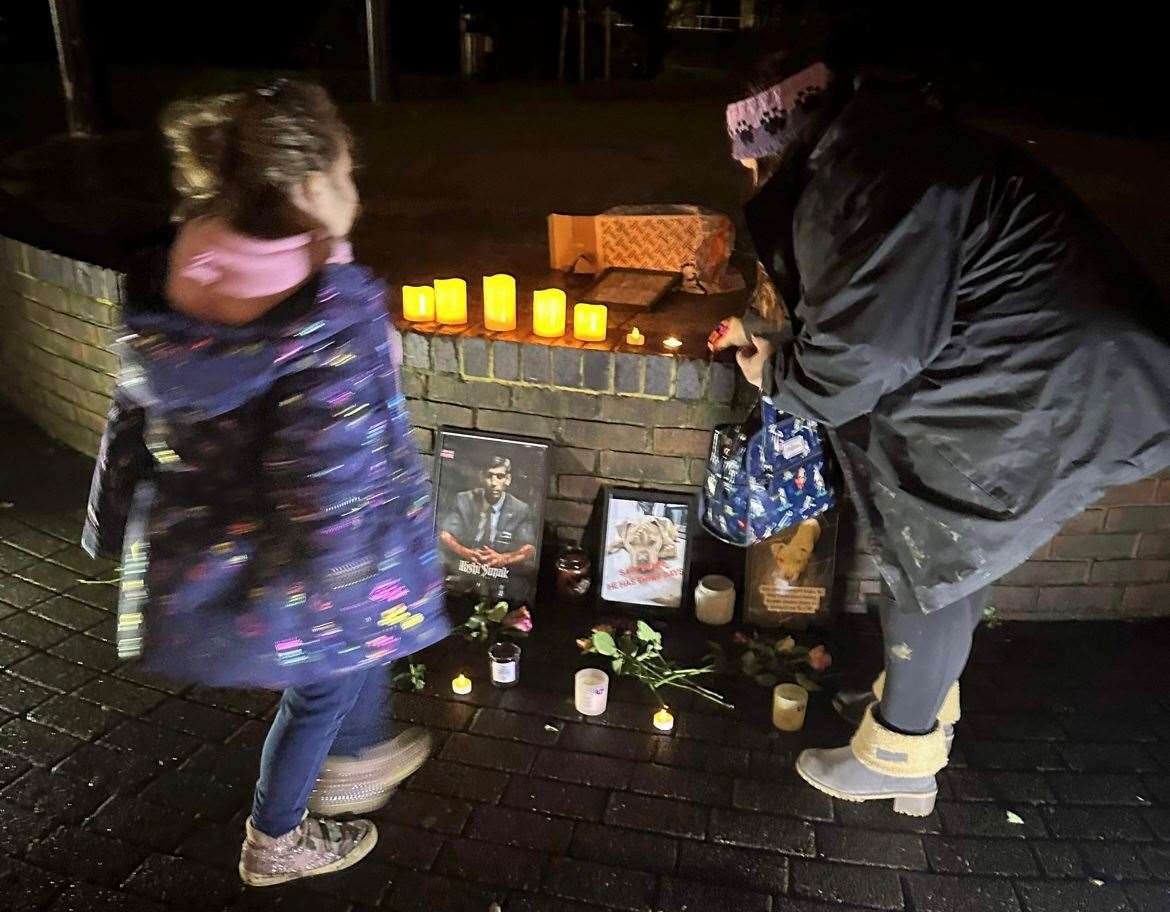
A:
[218, 275]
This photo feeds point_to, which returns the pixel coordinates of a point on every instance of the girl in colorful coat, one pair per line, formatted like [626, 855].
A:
[278, 529]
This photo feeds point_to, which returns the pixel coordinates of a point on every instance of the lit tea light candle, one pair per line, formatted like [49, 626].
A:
[590, 322]
[671, 343]
[633, 337]
[418, 303]
[461, 684]
[451, 301]
[499, 302]
[663, 720]
[548, 313]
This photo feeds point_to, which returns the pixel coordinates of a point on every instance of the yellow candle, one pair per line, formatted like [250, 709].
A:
[633, 337]
[499, 302]
[589, 322]
[418, 303]
[451, 301]
[663, 720]
[461, 684]
[548, 313]
[671, 343]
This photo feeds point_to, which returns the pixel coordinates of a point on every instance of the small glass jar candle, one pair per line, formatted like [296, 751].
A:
[505, 662]
[715, 600]
[574, 575]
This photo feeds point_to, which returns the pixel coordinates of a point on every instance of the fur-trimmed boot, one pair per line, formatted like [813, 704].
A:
[852, 705]
[879, 764]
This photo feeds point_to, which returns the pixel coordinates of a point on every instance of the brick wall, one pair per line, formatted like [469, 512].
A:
[639, 420]
[56, 319]
[614, 418]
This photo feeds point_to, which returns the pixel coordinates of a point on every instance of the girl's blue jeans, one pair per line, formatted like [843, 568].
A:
[339, 716]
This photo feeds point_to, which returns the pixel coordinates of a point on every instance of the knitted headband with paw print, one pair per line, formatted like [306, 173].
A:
[764, 123]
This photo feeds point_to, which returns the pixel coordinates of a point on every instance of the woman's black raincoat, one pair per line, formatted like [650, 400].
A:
[985, 354]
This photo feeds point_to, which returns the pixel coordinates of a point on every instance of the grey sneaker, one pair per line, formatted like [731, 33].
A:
[315, 847]
[879, 764]
[359, 785]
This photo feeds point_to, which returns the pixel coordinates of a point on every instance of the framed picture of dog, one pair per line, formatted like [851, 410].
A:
[489, 511]
[789, 577]
[647, 538]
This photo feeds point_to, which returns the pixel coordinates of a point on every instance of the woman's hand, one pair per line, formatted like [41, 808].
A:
[728, 334]
[753, 360]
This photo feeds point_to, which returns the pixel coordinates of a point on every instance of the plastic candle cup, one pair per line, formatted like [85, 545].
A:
[590, 322]
[663, 720]
[461, 684]
[499, 302]
[451, 301]
[548, 313]
[418, 303]
[634, 337]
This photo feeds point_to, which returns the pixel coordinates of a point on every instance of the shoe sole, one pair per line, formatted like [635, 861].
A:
[359, 851]
[368, 805]
[910, 804]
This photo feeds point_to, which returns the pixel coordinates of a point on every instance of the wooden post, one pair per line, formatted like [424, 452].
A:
[73, 61]
[608, 41]
[564, 43]
[377, 49]
[580, 40]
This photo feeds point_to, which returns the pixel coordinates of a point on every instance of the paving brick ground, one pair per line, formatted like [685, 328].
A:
[119, 792]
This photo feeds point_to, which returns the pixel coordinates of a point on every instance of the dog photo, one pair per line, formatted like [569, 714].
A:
[646, 549]
[790, 575]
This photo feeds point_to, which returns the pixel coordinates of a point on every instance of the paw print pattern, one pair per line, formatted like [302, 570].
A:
[809, 99]
[744, 131]
[773, 121]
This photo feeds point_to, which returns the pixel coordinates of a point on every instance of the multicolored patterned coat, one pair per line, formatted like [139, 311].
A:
[283, 531]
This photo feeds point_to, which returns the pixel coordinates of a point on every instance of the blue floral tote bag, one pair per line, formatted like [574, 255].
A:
[764, 475]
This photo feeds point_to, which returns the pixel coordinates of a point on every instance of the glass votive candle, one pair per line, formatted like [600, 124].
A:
[505, 664]
[789, 704]
[591, 691]
[574, 575]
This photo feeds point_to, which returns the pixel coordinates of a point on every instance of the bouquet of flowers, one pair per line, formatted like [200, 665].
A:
[636, 651]
[768, 661]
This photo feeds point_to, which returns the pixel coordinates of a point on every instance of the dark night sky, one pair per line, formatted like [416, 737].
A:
[1090, 65]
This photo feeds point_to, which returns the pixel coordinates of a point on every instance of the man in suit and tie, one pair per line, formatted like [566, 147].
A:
[487, 525]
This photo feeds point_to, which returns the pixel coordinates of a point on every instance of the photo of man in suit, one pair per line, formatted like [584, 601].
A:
[487, 530]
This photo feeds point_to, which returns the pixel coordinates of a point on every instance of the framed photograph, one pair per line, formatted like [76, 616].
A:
[646, 550]
[489, 511]
[790, 576]
[622, 287]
